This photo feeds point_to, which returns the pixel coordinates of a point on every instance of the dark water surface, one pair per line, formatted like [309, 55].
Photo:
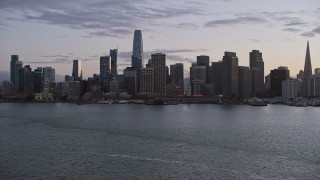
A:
[68, 141]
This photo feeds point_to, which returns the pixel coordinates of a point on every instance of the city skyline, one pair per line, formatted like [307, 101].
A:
[189, 30]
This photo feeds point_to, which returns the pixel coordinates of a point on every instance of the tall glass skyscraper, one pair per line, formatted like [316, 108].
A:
[257, 68]
[114, 64]
[76, 70]
[137, 52]
[105, 68]
[15, 65]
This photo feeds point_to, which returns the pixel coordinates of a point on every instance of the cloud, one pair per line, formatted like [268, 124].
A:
[189, 26]
[292, 30]
[115, 18]
[296, 23]
[316, 30]
[255, 40]
[308, 34]
[236, 21]
[54, 61]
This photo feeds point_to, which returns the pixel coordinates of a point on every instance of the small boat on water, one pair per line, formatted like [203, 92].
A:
[258, 102]
[105, 102]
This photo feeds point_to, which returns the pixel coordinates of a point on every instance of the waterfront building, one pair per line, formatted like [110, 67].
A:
[257, 69]
[217, 74]
[37, 79]
[198, 78]
[146, 82]
[176, 86]
[203, 60]
[276, 78]
[158, 64]
[114, 63]
[317, 72]
[315, 86]
[76, 70]
[129, 82]
[291, 88]
[230, 75]
[15, 65]
[245, 82]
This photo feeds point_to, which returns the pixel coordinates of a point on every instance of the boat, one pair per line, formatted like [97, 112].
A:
[105, 102]
[258, 102]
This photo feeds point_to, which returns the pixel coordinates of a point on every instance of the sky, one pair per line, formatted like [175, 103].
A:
[53, 33]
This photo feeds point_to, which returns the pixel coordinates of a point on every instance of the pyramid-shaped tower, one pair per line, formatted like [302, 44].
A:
[307, 65]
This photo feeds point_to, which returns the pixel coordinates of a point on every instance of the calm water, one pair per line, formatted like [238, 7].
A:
[67, 141]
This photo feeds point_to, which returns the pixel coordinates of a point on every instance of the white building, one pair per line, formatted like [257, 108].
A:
[291, 88]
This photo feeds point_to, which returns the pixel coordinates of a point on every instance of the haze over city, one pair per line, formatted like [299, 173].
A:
[53, 33]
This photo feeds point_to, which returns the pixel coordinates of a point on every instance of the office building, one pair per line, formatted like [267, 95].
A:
[137, 52]
[49, 73]
[129, 82]
[257, 69]
[230, 75]
[245, 82]
[158, 64]
[114, 63]
[76, 70]
[276, 78]
[291, 88]
[147, 82]
[37, 80]
[105, 68]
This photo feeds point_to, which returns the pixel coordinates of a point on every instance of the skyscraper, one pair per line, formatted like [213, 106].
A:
[158, 64]
[15, 65]
[104, 68]
[230, 75]
[245, 82]
[49, 73]
[137, 52]
[257, 68]
[147, 81]
[14, 59]
[37, 80]
[76, 70]
[204, 61]
[114, 62]
[307, 73]
[217, 74]
[276, 78]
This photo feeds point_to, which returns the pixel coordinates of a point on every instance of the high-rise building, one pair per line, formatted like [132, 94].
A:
[146, 81]
[217, 74]
[230, 75]
[129, 82]
[13, 71]
[76, 70]
[276, 78]
[291, 88]
[176, 86]
[307, 76]
[114, 62]
[245, 82]
[105, 68]
[137, 52]
[176, 73]
[257, 68]
[198, 78]
[158, 64]
[49, 73]
[37, 80]
[204, 61]
[315, 86]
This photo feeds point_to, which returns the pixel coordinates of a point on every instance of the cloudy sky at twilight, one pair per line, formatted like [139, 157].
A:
[54, 32]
